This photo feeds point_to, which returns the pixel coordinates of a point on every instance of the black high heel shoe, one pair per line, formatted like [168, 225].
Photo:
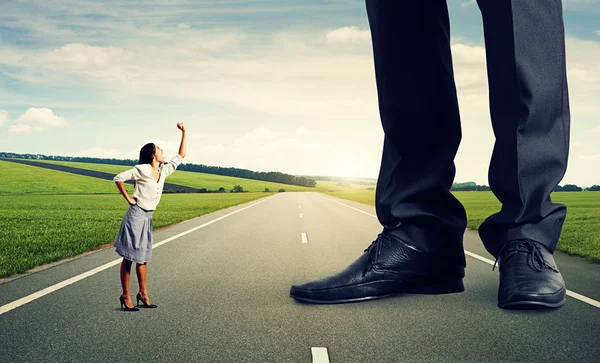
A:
[124, 306]
[139, 297]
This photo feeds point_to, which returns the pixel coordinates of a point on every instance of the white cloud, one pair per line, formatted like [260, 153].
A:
[23, 129]
[196, 136]
[255, 138]
[467, 54]
[83, 56]
[33, 120]
[213, 148]
[348, 34]
[590, 157]
[290, 76]
[98, 152]
[470, 72]
[597, 32]
[11, 56]
[262, 149]
[583, 72]
[40, 118]
[321, 80]
[302, 131]
[110, 63]
[583, 6]
[464, 4]
[4, 117]
[183, 26]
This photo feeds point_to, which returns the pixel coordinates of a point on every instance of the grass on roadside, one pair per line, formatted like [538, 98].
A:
[580, 234]
[39, 229]
[25, 179]
[194, 179]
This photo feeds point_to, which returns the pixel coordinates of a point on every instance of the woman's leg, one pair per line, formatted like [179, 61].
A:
[140, 270]
[125, 274]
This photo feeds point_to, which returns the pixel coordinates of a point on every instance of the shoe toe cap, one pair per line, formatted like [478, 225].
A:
[539, 288]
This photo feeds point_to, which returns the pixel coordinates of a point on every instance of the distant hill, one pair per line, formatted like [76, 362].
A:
[272, 176]
[34, 177]
[341, 179]
[468, 186]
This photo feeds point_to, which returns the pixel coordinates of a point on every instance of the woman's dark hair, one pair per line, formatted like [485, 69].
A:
[146, 153]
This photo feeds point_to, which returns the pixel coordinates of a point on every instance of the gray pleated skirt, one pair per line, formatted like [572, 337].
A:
[134, 240]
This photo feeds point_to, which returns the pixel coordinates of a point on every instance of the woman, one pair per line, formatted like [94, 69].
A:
[134, 240]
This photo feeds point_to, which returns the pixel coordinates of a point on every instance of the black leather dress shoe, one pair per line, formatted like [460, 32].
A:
[529, 278]
[389, 266]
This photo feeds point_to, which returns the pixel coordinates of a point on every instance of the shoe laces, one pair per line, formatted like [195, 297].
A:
[535, 259]
[375, 249]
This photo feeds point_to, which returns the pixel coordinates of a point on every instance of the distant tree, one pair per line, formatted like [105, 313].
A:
[468, 186]
[267, 190]
[203, 190]
[237, 189]
[557, 188]
[571, 188]
[222, 190]
[594, 188]
[217, 170]
[281, 190]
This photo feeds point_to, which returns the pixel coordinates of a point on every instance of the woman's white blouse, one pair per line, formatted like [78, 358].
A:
[147, 190]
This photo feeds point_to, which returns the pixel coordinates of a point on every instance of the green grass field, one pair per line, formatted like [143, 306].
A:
[25, 179]
[38, 229]
[581, 230]
[193, 179]
[355, 192]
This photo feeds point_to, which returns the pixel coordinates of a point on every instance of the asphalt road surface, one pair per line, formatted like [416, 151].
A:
[222, 285]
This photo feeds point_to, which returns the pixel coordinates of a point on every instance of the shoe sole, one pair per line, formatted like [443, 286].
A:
[534, 303]
[440, 288]
[531, 305]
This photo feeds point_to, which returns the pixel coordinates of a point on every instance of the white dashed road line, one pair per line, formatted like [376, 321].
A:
[319, 355]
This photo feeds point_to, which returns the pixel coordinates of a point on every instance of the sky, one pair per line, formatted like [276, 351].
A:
[266, 85]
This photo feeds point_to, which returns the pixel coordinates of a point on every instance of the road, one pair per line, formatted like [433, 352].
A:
[222, 285]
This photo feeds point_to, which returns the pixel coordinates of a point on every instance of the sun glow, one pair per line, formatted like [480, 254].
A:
[348, 165]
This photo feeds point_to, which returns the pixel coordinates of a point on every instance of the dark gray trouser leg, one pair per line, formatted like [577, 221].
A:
[419, 113]
[529, 105]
